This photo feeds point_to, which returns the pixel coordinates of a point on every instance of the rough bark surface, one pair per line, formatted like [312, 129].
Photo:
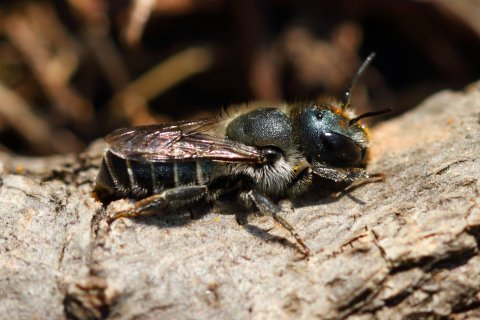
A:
[407, 247]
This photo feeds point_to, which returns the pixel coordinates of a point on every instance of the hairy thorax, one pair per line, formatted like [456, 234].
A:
[268, 128]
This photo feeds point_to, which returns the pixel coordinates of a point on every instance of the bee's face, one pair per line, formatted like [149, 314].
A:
[326, 135]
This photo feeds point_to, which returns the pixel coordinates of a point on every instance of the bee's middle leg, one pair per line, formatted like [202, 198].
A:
[267, 207]
[162, 201]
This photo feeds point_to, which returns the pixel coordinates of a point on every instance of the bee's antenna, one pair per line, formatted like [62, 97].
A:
[346, 96]
[369, 114]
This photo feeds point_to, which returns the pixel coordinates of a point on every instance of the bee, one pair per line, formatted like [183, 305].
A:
[261, 152]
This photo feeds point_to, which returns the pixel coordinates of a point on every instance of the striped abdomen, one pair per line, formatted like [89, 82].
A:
[121, 177]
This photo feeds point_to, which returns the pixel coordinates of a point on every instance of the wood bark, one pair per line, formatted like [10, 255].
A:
[403, 248]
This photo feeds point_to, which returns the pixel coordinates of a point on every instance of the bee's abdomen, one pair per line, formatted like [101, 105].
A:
[119, 177]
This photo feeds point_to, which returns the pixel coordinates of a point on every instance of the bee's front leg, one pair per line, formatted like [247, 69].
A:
[267, 207]
[168, 199]
[342, 174]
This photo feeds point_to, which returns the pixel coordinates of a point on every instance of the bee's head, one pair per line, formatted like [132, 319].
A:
[327, 135]
[330, 133]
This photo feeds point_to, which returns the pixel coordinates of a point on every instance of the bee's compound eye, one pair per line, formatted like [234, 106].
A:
[341, 147]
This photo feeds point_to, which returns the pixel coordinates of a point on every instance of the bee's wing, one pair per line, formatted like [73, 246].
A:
[183, 140]
[125, 139]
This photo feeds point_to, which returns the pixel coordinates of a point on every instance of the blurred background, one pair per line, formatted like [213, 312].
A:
[73, 70]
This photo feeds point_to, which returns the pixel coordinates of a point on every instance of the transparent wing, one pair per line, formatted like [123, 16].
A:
[183, 140]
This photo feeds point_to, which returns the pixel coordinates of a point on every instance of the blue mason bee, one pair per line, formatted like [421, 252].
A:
[261, 152]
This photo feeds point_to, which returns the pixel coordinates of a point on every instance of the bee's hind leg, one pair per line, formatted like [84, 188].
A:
[170, 198]
[267, 207]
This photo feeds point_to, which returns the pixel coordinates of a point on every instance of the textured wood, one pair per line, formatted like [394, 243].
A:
[407, 247]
